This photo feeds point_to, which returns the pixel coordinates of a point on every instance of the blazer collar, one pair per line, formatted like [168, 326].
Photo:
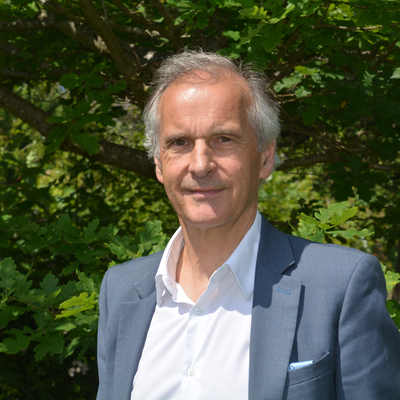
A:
[275, 252]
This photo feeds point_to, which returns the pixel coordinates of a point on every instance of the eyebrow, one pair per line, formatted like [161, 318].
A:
[218, 132]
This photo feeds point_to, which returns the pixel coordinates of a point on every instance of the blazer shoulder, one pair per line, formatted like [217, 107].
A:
[133, 276]
[136, 266]
[331, 262]
[327, 251]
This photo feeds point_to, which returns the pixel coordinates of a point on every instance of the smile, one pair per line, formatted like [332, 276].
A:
[205, 192]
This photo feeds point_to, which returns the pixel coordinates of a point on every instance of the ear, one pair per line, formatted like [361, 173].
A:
[159, 173]
[267, 161]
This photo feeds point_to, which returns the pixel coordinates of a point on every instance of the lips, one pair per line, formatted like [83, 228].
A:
[205, 192]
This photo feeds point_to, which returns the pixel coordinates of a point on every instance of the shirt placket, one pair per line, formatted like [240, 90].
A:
[193, 362]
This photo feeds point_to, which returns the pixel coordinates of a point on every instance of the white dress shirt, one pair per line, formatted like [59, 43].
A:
[198, 351]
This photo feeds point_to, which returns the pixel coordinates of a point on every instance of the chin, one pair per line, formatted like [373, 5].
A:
[204, 220]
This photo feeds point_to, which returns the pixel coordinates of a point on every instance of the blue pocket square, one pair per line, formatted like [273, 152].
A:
[297, 365]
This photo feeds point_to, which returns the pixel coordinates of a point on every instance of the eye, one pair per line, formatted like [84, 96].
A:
[179, 142]
[225, 139]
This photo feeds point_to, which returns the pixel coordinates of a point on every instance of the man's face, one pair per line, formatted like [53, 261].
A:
[209, 163]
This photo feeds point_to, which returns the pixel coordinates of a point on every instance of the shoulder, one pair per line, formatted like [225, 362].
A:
[326, 253]
[136, 268]
[328, 266]
[132, 277]
[293, 255]
[333, 267]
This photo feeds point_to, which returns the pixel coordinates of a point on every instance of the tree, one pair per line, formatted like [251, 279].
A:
[333, 68]
[74, 78]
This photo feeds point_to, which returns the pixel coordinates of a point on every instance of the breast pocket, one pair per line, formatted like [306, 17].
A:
[312, 382]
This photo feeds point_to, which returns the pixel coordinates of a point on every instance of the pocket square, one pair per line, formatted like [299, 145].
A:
[297, 365]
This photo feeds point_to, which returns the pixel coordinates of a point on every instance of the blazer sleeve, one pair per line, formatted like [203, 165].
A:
[368, 351]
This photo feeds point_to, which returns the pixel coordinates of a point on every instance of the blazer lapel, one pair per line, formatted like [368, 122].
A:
[274, 317]
[134, 322]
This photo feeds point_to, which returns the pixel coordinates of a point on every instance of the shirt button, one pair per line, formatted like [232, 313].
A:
[199, 310]
[191, 371]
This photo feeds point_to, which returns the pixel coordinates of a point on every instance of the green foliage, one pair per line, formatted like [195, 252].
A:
[86, 115]
[325, 220]
[319, 228]
[334, 69]
[74, 327]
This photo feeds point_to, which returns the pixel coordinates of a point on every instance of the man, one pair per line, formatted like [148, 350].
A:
[233, 308]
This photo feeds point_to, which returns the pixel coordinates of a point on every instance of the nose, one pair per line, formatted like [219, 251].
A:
[201, 160]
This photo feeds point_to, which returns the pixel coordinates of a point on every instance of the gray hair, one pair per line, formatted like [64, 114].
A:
[263, 113]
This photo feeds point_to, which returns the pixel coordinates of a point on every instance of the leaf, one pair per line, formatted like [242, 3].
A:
[317, 236]
[13, 346]
[250, 34]
[49, 284]
[392, 279]
[344, 216]
[87, 284]
[272, 40]
[396, 74]
[150, 236]
[324, 215]
[10, 313]
[255, 13]
[118, 87]
[160, 245]
[71, 267]
[65, 223]
[70, 348]
[27, 298]
[393, 308]
[49, 343]
[88, 342]
[90, 236]
[76, 305]
[63, 326]
[8, 274]
[234, 35]
[21, 342]
[67, 291]
[350, 233]
[71, 81]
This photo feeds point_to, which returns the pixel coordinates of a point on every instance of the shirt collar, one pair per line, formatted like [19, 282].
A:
[166, 273]
[242, 262]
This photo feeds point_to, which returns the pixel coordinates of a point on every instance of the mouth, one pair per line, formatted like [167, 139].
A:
[205, 192]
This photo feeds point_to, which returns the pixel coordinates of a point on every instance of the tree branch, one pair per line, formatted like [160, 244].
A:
[177, 44]
[351, 28]
[25, 26]
[308, 161]
[136, 31]
[112, 154]
[175, 32]
[290, 40]
[17, 74]
[384, 56]
[124, 65]
[9, 50]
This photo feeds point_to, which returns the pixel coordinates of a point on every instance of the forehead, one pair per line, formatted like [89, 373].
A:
[227, 85]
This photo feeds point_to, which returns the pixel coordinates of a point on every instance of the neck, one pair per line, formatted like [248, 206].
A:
[206, 250]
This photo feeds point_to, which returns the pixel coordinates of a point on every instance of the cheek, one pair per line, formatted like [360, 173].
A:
[173, 169]
[233, 168]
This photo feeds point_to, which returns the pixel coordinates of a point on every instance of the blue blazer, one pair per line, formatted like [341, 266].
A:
[312, 301]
